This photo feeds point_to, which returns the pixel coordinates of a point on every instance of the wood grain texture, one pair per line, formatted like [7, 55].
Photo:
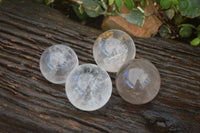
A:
[29, 103]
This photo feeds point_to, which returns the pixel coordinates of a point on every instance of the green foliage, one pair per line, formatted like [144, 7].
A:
[198, 35]
[136, 17]
[189, 8]
[79, 11]
[195, 41]
[0, 1]
[129, 4]
[170, 13]
[47, 2]
[164, 31]
[198, 31]
[165, 4]
[119, 4]
[178, 11]
[111, 2]
[175, 2]
[178, 19]
[142, 3]
[94, 8]
[185, 31]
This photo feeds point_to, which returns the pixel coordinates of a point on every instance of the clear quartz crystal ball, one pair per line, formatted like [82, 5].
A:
[57, 62]
[112, 49]
[138, 81]
[88, 87]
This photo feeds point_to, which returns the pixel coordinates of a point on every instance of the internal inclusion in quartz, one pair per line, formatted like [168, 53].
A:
[88, 87]
[112, 49]
[138, 81]
[57, 62]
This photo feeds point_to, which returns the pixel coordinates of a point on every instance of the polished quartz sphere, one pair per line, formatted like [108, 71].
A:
[112, 49]
[88, 87]
[57, 62]
[138, 81]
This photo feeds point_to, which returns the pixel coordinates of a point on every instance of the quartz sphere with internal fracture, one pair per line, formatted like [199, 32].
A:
[57, 62]
[88, 87]
[112, 49]
[138, 81]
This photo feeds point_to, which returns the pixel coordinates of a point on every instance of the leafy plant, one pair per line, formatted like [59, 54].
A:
[47, 2]
[164, 31]
[136, 17]
[179, 11]
[180, 14]
[196, 41]
[189, 8]
[94, 8]
[186, 30]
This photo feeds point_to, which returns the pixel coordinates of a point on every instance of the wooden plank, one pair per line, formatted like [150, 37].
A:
[29, 103]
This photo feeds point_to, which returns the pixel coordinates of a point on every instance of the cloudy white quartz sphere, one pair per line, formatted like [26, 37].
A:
[112, 49]
[57, 62]
[138, 81]
[88, 87]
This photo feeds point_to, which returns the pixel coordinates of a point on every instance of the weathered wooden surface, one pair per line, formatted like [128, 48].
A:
[29, 103]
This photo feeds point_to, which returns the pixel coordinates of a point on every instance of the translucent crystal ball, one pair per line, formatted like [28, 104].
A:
[57, 62]
[88, 87]
[112, 49]
[138, 81]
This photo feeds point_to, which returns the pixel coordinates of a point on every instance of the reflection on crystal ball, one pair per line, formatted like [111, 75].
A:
[88, 87]
[138, 81]
[57, 62]
[112, 49]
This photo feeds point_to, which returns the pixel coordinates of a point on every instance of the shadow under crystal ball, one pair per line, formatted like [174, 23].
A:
[88, 87]
[138, 81]
[57, 62]
[112, 49]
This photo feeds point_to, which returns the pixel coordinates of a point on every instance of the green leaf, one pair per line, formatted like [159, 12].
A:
[129, 4]
[92, 7]
[198, 35]
[110, 2]
[185, 31]
[187, 25]
[103, 4]
[142, 3]
[198, 28]
[119, 4]
[178, 19]
[189, 8]
[91, 14]
[78, 13]
[136, 17]
[165, 4]
[195, 42]
[164, 31]
[170, 13]
[0, 1]
[47, 2]
[175, 2]
[81, 10]
[106, 1]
